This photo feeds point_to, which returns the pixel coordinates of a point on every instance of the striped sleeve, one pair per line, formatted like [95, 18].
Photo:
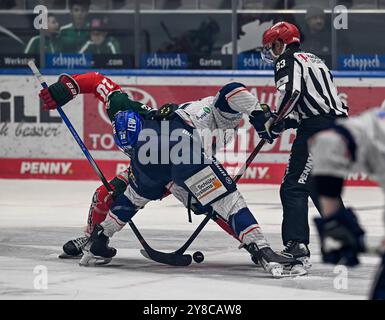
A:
[288, 79]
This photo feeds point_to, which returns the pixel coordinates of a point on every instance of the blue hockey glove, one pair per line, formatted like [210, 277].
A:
[341, 238]
[262, 121]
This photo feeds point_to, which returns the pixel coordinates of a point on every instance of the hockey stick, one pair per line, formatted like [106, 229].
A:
[176, 260]
[215, 216]
[261, 143]
[221, 222]
[39, 77]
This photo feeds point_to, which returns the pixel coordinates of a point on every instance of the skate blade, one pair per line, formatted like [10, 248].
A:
[63, 255]
[296, 271]
[278, 271]
[89, 259]
[274, 268]
[306, 262]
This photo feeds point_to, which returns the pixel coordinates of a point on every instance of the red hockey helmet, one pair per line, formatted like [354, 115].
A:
[284, 31]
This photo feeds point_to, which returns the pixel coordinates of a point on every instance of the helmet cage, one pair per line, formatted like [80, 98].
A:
[268, 54]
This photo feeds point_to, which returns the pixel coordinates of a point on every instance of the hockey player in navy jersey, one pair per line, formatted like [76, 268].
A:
[138, 133]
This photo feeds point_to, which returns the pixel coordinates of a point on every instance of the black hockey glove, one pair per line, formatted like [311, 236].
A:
[341, 238]
[198, 209]
[262, 121]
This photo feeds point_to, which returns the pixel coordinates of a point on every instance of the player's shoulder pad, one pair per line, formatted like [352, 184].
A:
[225, 93]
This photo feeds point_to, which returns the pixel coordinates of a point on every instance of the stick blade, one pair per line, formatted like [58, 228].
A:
[179, 260]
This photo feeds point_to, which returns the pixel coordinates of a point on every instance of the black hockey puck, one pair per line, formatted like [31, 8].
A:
[198, 256]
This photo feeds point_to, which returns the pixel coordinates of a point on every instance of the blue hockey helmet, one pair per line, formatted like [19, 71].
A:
[126, 129]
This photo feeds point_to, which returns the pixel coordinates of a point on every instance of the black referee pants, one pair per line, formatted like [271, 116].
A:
[296, 186]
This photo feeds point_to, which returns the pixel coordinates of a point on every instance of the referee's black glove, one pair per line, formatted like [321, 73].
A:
[262, 121]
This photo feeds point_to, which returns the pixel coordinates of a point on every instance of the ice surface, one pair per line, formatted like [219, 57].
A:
[37, 217]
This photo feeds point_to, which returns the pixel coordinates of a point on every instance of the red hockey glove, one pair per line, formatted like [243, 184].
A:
[59, 93]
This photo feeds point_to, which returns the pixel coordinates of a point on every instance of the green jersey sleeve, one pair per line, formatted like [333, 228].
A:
[119, 101]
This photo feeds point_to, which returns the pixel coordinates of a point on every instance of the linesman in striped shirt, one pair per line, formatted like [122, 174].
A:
[316, 107]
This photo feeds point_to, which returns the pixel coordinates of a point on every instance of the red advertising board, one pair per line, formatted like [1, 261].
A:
[75, 169]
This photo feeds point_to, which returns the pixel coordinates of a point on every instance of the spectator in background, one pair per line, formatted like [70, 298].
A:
[100, 42]
[74, 35]
[200, 41]
[52, 44]
[316, 37]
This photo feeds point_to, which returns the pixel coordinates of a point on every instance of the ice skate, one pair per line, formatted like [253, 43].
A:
[72, 249]
[276, 264]
[299, 251]
[97, 251]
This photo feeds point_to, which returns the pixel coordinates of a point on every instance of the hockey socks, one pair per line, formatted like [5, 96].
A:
[247, 228]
